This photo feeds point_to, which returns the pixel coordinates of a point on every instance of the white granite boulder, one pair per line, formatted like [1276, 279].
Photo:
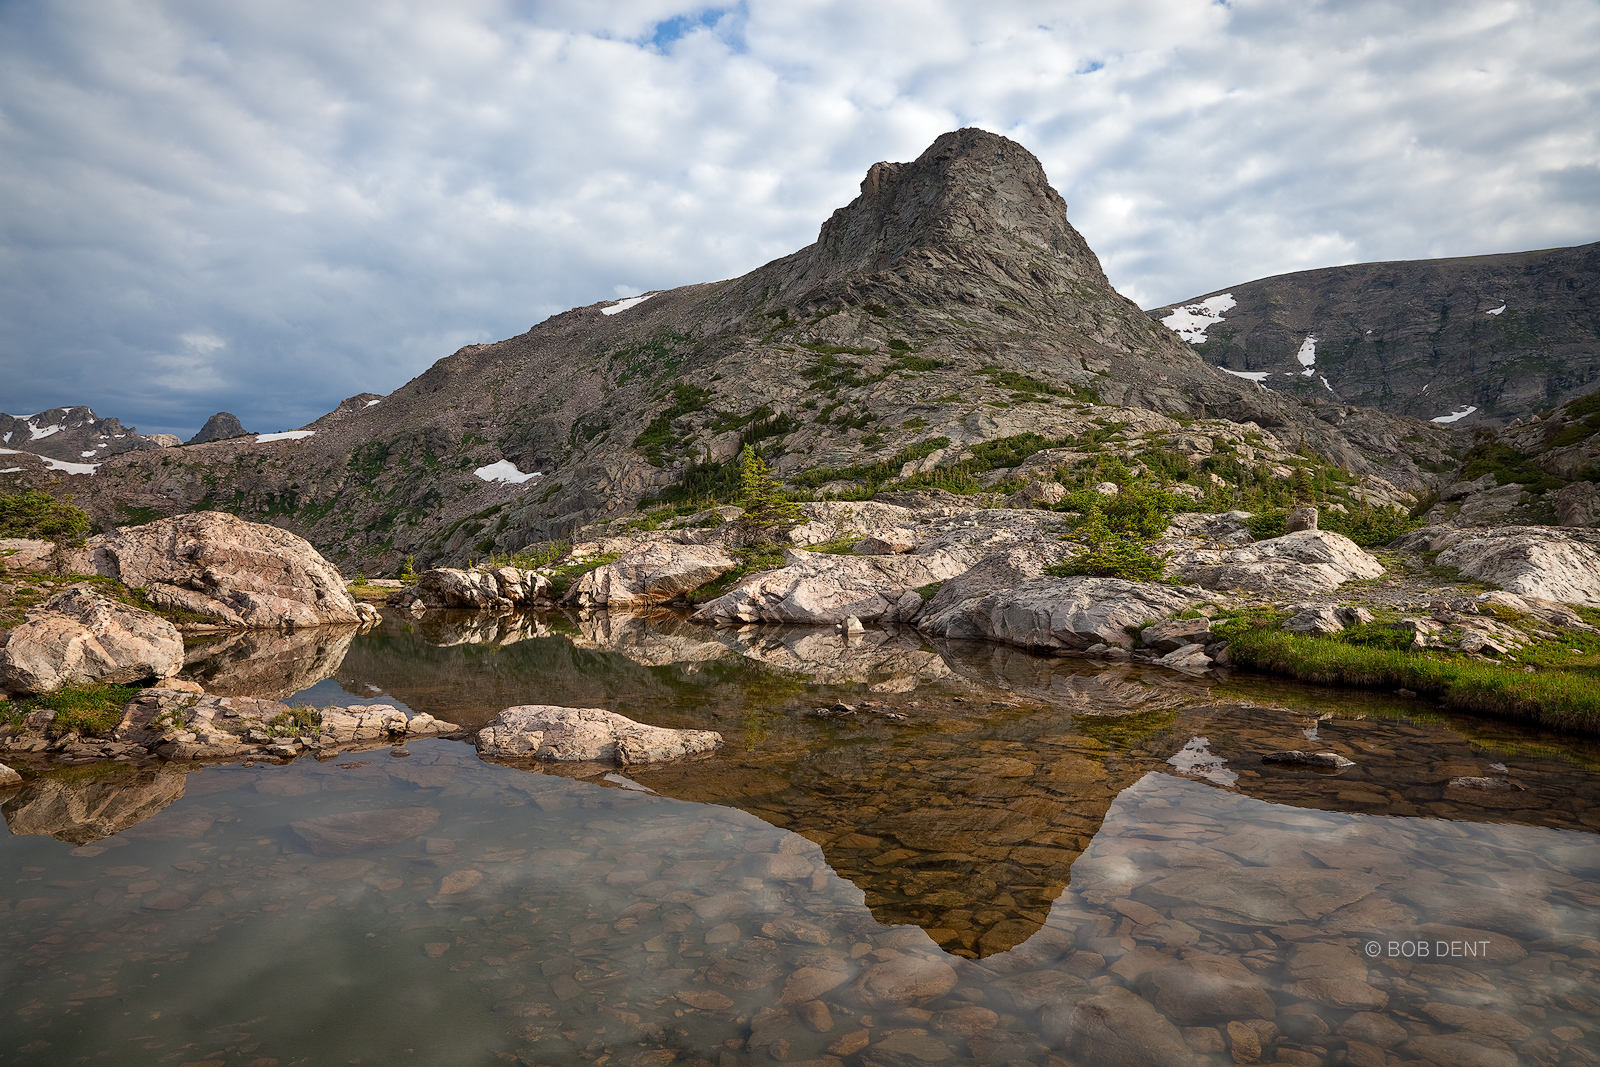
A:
[1058, 614]
[557, 734]
[235, 574]
[1543, 562]
[80, 636]
[1308, 561]
[653, 573]
[820, 589]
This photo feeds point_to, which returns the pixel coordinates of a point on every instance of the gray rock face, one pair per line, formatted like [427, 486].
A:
[1578, 504]
[819, 589]
[1053, 614]
[651, 574]
[829, 520]
[1302, 519]
[238, 574]
[1311, 561]
[547, 732]
[220, 427]
[74, 434]
[80, 636]
[1170, 635]
[1542, 562]
[1425, 338]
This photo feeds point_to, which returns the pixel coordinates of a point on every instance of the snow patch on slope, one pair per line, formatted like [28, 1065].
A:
[623, 305]
[286, 435]
[1191, 321]
[1308, 356]
[1496, 311]
[1453, 416]
[1257, 376]
[504, 471]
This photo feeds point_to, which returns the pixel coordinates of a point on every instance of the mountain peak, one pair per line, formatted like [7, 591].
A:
[972, 200]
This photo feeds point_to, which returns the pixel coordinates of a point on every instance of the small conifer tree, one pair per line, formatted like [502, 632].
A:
[766, 511]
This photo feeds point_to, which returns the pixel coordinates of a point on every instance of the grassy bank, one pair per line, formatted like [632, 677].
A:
[93, 709]
[1561, 693]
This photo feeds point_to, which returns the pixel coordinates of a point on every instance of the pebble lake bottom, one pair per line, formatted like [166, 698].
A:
[1045, 862]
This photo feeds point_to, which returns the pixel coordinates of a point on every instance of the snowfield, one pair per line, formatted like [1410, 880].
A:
[1308, 356]
[286, 435]
[623, 305]
[1453, 416]
[1257, 376]
[1191, 321]
[505, 471]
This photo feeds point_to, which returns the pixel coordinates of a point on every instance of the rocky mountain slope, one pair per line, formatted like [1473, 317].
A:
[947, 321]
[1480, 340]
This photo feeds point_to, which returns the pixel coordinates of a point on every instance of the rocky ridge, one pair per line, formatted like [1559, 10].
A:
[73, 437]
[1483, 340]
[948, 308]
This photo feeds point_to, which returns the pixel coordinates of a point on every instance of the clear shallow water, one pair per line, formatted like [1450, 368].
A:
[974, 883]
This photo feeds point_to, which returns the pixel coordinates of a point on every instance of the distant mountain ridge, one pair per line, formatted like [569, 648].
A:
[1479, 340]
[75, 435]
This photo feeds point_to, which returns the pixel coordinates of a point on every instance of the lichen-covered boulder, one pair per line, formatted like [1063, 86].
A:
[548, 732]
[235, 574]
[80, 636]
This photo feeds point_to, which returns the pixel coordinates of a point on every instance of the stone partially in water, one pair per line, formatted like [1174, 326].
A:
[548, 732]
[1331, 761]
[336, 835]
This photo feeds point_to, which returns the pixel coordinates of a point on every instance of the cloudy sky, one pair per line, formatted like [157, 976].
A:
[265, 206]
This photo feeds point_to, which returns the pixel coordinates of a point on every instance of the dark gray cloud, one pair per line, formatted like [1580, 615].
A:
[267, 206]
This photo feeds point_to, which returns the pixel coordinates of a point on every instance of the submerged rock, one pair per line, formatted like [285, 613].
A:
[548, 732]
[80, 636]
[356, 831]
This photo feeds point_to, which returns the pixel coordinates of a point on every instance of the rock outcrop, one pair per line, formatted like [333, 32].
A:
[226, 572]
[1060, 614]
[1309, 561]
[29, 556]
[1543, 562]
[651, 574]
[556, 734]
[500, 589]
[222, 426]
[80, 636]
[820, 589]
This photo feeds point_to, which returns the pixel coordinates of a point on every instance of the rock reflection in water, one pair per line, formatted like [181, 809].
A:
[554, 921]
[883, 661]
[87, 804]
[269, 664]
[444, 628]
[653, 640]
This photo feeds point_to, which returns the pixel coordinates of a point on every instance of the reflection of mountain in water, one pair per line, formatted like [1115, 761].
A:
[966, 816]
[83, 806]
[269, 664]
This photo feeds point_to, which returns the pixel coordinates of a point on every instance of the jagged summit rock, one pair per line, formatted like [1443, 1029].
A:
[950, 306]
[220, 427]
